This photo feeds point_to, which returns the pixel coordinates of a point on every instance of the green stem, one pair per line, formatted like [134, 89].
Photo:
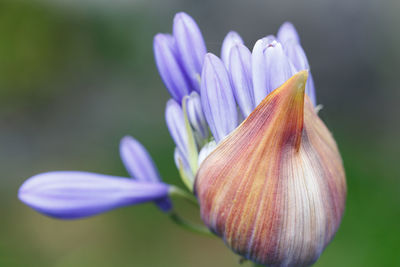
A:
[177, 192]
[189, 226]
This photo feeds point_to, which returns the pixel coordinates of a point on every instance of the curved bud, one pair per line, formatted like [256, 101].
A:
[191, 46]
[240, 73]
[137, 160]
[140, 166]
[230, 40]
[169, 67]
[275, 188]
[217, 98]
[287, 32]
[73, 195]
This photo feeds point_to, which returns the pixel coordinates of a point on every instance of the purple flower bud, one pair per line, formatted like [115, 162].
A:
[217, 98]
[191, 46]
[296, 54]
[231, 39]
[258, 66]
[137, 160]
[196, 116]
[287, 32]
[176, 126]
[242, 84]
[298, 57]
[140, 166]
[72, 195]
[169, 67]
[276, 69]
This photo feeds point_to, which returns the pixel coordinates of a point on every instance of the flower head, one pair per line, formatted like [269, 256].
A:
[272, 186]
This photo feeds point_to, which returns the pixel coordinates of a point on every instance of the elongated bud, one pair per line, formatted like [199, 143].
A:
[169, 66]
[73, 195]
[275, 188]
[258, 67]
[242, 84]
[230, 40]
[277, 69]
[191, 46]
[217, 98]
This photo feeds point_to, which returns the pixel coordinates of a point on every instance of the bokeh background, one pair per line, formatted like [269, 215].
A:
[77, 75]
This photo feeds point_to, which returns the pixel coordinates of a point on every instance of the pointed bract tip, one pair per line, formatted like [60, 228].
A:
[296, 84]
[290, 107]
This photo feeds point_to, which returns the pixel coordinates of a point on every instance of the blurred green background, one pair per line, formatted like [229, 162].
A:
[77, 75]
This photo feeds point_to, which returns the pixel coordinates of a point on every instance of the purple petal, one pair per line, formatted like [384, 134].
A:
[72, 195]
[298, 57]
[190, 45]
[176, 126]
[287, 32]
[278, 66]
[137, 160]
[296, 54]
[217, 98]
[242, 84]
[277, 70]
[259, 67]
[196, 116]
[231, 39]
[169, 67]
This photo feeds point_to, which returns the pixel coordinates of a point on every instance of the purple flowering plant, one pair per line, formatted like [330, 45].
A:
[210, 97]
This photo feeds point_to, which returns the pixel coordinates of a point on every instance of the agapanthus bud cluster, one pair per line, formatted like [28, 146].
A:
[217, 94]
[269, 177]
[249, 144]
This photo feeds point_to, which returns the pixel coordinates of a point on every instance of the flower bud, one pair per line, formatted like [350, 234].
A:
[218, 101]
[230, 40]
[191, 46]
[196, 117]
[240, 73]
[176, 125]
[271, 68]
[169, 67]
[275, 188]
[288, 32]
